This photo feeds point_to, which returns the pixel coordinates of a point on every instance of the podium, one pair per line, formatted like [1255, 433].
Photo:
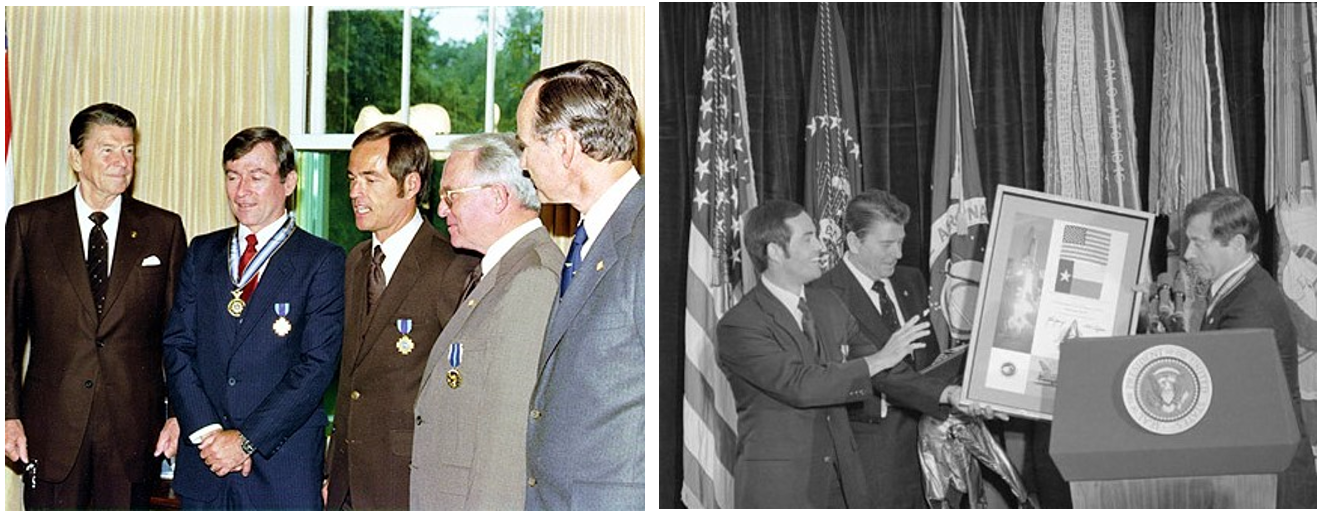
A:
[1173, 420]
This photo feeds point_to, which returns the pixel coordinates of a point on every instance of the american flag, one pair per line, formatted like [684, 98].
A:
[834, 160]
[723, 191]
[1081, 244]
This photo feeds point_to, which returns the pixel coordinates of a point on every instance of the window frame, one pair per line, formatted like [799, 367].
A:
[308, 42]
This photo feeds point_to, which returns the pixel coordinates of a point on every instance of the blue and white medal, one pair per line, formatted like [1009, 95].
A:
[452, 377]
[281, 325]
[405, 343]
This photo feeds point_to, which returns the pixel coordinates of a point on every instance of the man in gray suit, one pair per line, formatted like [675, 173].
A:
[470, 414]
[577, 124]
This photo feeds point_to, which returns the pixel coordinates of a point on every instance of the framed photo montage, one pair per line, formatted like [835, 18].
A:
[1055, 269]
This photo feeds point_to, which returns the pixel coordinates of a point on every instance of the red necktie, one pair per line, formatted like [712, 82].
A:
[248, 254]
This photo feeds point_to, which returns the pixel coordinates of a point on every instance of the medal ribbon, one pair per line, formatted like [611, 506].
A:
[274, 244]
[404, 325]
[282, 309]
[456, 354]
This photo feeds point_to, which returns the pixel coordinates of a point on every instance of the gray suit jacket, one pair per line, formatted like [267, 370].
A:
[585, 438]
[468, 445]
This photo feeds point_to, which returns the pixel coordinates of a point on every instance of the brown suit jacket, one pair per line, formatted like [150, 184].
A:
[75, 360]
[373, 435]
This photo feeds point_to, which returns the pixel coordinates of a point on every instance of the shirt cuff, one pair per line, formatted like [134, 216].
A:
[202, 433]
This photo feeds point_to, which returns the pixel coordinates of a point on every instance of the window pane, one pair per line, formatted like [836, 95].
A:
[362, 65]
[450, 62]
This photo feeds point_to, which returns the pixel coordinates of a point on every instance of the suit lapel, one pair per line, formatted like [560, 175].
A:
[269, 285]
[860, 304]
[127, 251]
[69, 242]
[401, 282]
[781, 315]
[596, 264]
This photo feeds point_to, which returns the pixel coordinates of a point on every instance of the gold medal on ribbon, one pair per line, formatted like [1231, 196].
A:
[404, 345]
[453, 379]
[236, 305]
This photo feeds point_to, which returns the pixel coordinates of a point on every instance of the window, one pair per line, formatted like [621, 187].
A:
[461, 71]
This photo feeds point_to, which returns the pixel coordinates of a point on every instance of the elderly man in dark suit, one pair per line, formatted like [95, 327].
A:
[472, 408]
[400, 289]
[577, 123]
[252, 343]
[881, 295]
[1222, 231]
[782, 348]
[89, 276]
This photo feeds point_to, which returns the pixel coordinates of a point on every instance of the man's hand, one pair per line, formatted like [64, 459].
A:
[901, 344]
[223, 453]
[973, 409]
[168, 442]
[325, 489]
[16, 442]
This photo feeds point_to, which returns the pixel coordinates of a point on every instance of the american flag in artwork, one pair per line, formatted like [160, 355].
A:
[723, 191]
[1084, 244]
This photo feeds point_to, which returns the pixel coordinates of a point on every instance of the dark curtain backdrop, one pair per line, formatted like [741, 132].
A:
[895, 51]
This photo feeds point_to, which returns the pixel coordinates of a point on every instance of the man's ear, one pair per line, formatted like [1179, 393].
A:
[1239, 242]
[775, 252]
[568, 144]
[412, 185]
[75, 159]
[852, 241]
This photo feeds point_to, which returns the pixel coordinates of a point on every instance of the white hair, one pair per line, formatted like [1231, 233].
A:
[498, 163]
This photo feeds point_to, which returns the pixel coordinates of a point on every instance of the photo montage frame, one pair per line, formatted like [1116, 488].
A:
[1055, 268]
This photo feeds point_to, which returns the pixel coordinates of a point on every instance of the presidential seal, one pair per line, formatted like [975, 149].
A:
[1167, 389]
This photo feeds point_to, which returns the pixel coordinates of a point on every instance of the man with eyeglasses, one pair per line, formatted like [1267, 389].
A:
[472, 410]
[401, 288]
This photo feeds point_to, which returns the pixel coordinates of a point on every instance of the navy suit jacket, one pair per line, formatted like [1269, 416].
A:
[585, 435]
[1258, 302]
[888, 446]
[239, 373]
[791, 400]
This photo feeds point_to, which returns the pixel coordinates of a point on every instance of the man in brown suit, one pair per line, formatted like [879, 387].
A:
[400, 290]
[89, 278]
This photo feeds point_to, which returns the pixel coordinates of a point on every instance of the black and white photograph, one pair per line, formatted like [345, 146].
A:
[830, 186]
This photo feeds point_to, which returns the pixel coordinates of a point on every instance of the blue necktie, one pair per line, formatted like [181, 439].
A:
[573, 260]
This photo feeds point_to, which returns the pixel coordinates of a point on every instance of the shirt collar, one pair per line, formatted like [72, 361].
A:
[789, 298]
[395, 245]
[863, 280]
[595, 219]
[263, 235]
[1221, 281]
[502, 246]
[84, 210]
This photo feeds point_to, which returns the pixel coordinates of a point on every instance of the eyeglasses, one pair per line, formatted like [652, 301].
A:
[448, 195]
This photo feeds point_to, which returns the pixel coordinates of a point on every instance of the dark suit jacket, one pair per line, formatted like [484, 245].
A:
[239, 373]
[373, 434]
[48, 301]
[888, 446]
[468, 446]
[1259, 303]
[791, 402]
[586, 451]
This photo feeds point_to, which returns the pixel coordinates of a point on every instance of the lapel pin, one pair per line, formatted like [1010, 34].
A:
[601, 265]
[133, 234]
[472, 302]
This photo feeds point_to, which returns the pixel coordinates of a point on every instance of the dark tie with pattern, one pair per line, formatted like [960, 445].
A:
[810, 327]
[376, 277]
[573, 259]
[888, 314]
[249, 252]
[98, 261]
[470, 284]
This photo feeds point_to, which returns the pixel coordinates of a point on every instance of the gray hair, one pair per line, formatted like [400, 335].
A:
[498, 163]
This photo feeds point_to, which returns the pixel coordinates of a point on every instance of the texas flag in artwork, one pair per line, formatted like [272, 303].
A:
[1075, 278]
